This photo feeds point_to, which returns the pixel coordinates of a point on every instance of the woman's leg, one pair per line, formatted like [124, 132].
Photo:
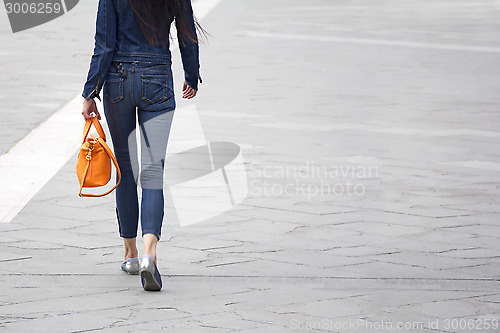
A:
[155, 131]
[121, 120]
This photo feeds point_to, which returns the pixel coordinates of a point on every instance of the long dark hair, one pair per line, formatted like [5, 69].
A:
[154, 16]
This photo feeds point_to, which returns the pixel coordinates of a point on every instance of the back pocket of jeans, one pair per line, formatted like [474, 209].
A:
[155, 88]
[113, 89]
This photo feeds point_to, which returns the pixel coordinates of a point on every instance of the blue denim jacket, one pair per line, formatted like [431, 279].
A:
[118, 37]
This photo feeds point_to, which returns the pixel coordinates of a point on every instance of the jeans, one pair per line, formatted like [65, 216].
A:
[143, 91]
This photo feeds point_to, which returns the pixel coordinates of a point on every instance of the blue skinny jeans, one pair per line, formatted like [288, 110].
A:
[144, 93]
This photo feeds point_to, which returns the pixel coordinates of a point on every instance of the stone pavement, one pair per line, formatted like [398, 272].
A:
[370, 135]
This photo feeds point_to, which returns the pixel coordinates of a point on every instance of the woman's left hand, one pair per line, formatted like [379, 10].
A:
[90, 107]
[187, 91]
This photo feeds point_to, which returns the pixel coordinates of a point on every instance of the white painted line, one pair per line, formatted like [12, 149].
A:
[33, 161]
[475, 164]
[64, 6]
[202, 8]
[384, 42]
[380, 129]
[28, 166]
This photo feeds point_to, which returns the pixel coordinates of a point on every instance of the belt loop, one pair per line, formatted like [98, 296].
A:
[134, 65]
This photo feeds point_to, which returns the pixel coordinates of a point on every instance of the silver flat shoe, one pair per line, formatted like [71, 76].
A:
[150, 277]
[131, 266]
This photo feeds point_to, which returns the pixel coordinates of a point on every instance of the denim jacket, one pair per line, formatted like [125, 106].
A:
[118, 37]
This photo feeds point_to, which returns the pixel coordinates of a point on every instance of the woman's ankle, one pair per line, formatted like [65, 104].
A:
[150, 254]
[150, 242]
[131, 255]
[130, 248]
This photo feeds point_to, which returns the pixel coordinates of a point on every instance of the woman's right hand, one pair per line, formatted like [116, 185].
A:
[187, 91]
[88, 108]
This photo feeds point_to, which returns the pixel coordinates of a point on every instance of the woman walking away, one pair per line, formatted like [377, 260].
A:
[132, 64]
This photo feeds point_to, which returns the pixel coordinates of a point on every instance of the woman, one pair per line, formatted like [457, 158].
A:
[132, 64]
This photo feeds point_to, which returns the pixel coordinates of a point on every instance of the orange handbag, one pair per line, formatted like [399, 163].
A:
[94, 160]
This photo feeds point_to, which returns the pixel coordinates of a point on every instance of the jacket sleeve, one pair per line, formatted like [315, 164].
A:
[190, 52]
[105, 39]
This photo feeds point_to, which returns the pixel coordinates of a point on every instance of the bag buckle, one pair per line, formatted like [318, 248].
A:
[89, 154]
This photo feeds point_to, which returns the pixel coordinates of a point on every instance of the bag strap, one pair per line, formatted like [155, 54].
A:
[115, 162]
[97, 125]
